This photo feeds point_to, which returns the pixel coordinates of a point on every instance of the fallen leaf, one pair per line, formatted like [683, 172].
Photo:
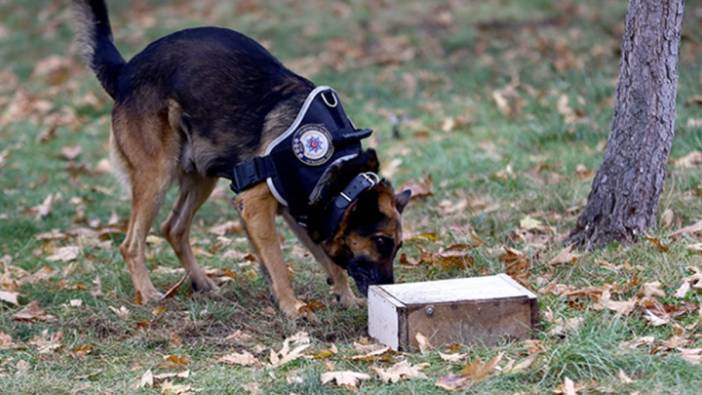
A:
[561, 326]
[176, 360]
[420, 188]
[243, 359]
[692, 355]
[620, 307]
[371, 355]
[658, 244]
[226, 228]
[516, 264]
[565, 256]
[529, 223]
[455, 357]
[147, 379]
[568, 387]
[690, 160]
[42, 210]
[694, 228]
[401, 370]
[637, 342]
[71, 152]
[169, 388]
[9, 297]
[652, 289]
[33, 312]
[6, 342]
[624, 378]
[667, 218]
[64, 254]
[300, 341]
[122, 312]
[655, 320]
[422, 343]
[472, 373]
[524, 364]
[345, 378]
[47, 343]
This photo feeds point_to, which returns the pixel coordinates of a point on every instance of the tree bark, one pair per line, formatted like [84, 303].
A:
[625, 191]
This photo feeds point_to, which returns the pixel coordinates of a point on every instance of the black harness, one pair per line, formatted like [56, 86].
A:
[293, 163]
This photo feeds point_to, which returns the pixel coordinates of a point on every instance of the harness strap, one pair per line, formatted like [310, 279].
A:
[251, 172]
[343, 200]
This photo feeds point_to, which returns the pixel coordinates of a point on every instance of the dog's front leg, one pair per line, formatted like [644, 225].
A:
[258, 208]
[336, 275]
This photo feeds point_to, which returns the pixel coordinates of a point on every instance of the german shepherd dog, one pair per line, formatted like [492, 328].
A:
[187, 109]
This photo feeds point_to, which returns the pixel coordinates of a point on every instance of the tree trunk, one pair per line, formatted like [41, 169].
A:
[625, 192]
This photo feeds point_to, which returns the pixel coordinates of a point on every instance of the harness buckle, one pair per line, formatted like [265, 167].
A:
[371, 177]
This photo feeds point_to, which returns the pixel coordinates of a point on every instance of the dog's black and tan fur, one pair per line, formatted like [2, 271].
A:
[187, 109]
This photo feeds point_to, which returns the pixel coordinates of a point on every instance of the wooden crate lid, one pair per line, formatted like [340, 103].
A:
[456, 290]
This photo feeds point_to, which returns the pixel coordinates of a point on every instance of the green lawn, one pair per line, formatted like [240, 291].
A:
[505, 104]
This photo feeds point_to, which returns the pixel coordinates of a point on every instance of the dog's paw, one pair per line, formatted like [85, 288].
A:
[204, 285]
[298, 310]
[348, 299]
[148, 296]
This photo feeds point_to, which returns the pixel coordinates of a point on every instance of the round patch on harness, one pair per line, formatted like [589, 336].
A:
[312, 144]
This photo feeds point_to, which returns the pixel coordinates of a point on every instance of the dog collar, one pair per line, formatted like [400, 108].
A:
[292, 164]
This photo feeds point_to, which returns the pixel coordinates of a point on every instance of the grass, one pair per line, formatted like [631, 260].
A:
[506, 166]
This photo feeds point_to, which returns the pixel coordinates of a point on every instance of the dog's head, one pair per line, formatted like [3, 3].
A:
[370, 232]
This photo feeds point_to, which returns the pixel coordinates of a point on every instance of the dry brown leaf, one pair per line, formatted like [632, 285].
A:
[691, 229]
[561, 326]
[524, 364]
[472, 373]
[422, 343]
[696, 248]
[667, 218]
[565, 256]
[244, 358]
[371, 355]
[47, 343]
[225, 228]
[401, 370]
[692, 355]
[6, 342]
[169, 388]
[122, 312]
[657, 243]
[652, 289]
[637, 342]
[568, 387]
[345, 378]
[71, 152]
[690, 160]
[620, 307]
[33, 312]
[300, 341]
[655, 320]
[420, 188]
[176, 360]
[624, 378]
[42, 210]
[9, 297]
[516, 265]
[64, 254]
[455, 357]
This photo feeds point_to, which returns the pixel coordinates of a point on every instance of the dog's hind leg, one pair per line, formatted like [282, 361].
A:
[337, 276]
[147, 150]
[194, 191]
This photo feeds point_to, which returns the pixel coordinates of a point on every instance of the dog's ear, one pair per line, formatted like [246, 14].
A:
[338, 175]
[402, 198]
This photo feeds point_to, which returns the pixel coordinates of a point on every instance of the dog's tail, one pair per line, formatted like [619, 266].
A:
[94, 36]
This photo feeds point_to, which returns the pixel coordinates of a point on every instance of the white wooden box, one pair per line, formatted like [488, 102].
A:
[465, 310]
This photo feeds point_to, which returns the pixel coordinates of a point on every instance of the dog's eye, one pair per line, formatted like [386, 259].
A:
[385, 245]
